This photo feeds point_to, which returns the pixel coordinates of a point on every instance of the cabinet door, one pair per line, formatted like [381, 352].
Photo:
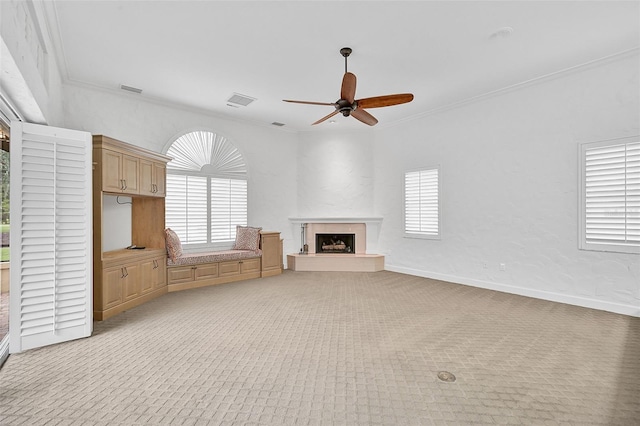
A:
[181, 274]
[209, 270]
[250, 265]
[147, 276]
[229, 268]
[146, 178]
[153, 274]
[131, 282]
[271, 258]
[112, 279]
[130, 174]
[160, 273]
[111, 171]
[152, 178]
[160, 173]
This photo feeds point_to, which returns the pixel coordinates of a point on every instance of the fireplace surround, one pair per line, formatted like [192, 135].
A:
[362, 258]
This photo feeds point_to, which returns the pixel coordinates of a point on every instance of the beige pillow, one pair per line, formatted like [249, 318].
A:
[247, 238]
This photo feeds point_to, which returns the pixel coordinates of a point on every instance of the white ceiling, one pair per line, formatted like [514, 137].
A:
[198, 53]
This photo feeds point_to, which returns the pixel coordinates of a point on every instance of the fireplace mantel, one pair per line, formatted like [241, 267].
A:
[364, 219]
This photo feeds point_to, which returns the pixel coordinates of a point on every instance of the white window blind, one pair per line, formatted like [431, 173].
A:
[206, 189]
[610, 196]
[422, 203]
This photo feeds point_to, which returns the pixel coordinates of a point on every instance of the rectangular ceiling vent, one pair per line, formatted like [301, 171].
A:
[131, 89]
[238, 99]
[275, 123]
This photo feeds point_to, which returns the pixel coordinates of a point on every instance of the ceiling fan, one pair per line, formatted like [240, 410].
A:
[348, 105]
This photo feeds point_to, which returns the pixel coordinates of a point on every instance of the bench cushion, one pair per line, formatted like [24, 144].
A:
[213, 256]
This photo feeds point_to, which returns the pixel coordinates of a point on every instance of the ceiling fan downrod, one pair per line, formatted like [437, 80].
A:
[345, 51]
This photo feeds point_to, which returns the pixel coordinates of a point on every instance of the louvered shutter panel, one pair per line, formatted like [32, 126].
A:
[51, 236]
[186, 207]
[421, 202]
[612, 194]
[228, 208]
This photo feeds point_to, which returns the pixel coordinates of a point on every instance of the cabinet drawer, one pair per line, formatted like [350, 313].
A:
[180, 275]
[202, 272]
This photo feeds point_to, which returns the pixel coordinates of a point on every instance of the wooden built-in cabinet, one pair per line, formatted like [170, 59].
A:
[152, 178]
[120, 172]
[129, 278]
[123, 279]
[205, 274]
[271, 245]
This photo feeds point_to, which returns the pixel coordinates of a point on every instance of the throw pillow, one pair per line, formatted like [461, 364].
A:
[247, 238]
[174, 246]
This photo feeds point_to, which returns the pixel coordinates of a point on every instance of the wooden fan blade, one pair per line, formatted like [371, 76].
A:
[326, 117]
[383, 101]
[364, 116]
[348, 89]
[310, 103]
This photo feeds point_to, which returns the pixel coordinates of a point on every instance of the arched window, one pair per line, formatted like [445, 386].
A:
[206, 189]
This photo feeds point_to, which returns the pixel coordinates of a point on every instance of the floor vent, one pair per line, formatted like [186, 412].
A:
[445, 376]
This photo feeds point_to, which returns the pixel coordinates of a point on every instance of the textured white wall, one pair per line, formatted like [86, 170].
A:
[36, 88]
[270, 153]
[335, 174]
[509, 179]
[509, 167]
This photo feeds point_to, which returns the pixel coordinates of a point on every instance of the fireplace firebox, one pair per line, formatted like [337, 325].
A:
[335, 243]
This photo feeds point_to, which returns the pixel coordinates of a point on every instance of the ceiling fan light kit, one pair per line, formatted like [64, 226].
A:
[347, 105]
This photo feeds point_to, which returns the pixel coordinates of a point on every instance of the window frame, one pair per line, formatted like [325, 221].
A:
[209, 173]
[583, 243]
[422, 235]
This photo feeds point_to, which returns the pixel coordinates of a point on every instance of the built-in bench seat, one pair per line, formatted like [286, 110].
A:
[245, 261]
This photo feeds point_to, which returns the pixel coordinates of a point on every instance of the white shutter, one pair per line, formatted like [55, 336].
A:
[51, 295]
[611, 194]
[186, 207]
[421, 203]
[228, 208]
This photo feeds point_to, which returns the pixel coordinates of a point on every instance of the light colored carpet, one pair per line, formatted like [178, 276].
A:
[329, 348]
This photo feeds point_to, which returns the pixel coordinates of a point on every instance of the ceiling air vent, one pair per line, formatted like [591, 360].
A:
[241, 100]
[131, 89]
[275, 123]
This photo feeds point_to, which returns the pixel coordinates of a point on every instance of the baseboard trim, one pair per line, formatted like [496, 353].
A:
[584, 302]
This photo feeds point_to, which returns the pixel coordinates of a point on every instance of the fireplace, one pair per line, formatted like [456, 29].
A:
[338, 235]
[335, 243]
